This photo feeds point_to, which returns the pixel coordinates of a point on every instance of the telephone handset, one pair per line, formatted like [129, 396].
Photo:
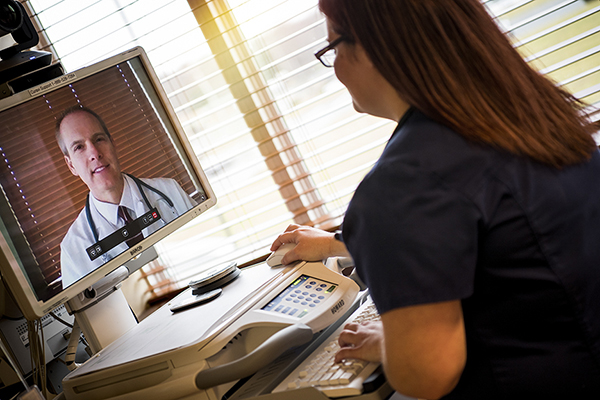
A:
[307, 301]
[308, 293]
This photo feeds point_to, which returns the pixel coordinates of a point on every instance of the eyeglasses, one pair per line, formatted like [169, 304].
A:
[327, 54]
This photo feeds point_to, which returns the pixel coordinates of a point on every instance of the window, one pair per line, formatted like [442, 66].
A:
[560, 38]
[274, 130]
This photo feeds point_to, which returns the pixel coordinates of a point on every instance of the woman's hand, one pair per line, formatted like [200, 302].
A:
[312, 244]
[361, 341]
[422, 347]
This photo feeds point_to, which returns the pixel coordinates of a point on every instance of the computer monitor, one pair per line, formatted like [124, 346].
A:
[59, 231]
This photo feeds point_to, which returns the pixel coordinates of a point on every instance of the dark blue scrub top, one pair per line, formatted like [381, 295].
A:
[441, 218]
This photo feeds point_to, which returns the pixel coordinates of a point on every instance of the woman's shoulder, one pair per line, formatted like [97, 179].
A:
[424, 147]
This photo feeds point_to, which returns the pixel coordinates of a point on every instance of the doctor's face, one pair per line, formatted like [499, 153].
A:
[92, 156]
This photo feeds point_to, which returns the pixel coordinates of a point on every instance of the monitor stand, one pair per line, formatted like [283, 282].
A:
[102, 312]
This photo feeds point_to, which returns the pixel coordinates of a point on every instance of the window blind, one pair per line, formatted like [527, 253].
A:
[561, 39]
[274, 130]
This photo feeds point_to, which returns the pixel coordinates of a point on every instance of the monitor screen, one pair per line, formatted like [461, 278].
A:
[95, 168]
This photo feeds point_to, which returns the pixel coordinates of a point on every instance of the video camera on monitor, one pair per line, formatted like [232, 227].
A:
[20, 69]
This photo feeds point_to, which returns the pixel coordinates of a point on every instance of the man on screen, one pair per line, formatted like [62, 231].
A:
[106, 227]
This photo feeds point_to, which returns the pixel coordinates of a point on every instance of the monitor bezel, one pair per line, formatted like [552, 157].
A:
[16, 279]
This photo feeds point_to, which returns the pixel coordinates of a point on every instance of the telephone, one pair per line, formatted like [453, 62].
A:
[201, 352]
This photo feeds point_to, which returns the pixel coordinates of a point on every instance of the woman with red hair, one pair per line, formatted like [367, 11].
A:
[478, 230]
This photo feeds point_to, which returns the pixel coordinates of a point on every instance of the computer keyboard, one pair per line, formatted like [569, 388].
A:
[334, 380]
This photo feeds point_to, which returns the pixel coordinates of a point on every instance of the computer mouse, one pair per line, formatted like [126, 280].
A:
[276, 256]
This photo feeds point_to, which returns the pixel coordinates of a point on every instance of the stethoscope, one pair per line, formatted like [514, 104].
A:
[139, 184]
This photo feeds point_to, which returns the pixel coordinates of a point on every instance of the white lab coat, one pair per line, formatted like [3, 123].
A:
[74, 260]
